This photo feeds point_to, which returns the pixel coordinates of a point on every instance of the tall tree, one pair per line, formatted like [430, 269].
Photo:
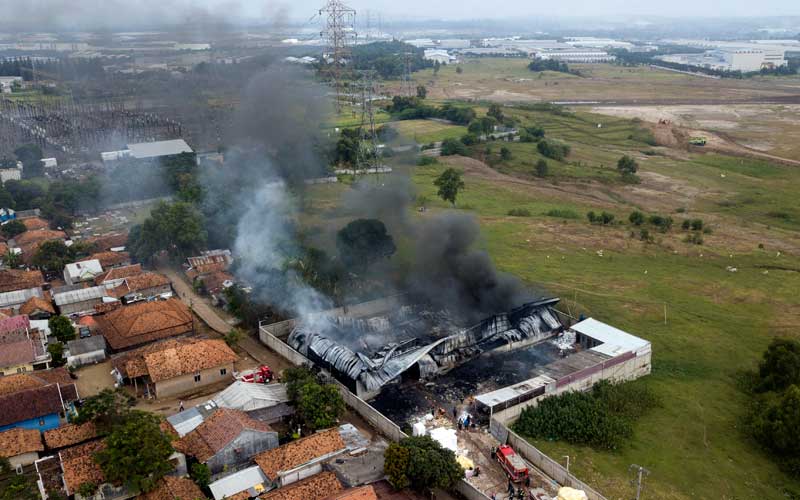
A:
[449, 184]
[177, 228]
[53, 256]
[137, 452]
[363, 242]
[61, 327]
[627, 166]
[422, 463]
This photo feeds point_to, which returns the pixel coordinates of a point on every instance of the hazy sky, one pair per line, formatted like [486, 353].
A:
[108, 13]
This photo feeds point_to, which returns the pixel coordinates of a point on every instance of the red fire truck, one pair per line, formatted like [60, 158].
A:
[512, 463]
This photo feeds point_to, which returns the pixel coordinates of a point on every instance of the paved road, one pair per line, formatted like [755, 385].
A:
[196, 302]
[214, 319]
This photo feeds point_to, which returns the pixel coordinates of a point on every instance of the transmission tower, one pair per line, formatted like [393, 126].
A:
[368, 152]
[339, 34]
[408, 85]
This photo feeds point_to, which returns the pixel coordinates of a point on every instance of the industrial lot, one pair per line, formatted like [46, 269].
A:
[343, 254]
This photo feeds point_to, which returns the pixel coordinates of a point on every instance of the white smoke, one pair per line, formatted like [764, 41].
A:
[264, 246]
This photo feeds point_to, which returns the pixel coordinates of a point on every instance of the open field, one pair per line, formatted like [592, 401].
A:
[508, 80]
[718, 320]
[768, 129]
[427, 131]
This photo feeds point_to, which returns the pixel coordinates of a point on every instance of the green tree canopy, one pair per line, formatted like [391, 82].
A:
[363, 242]
[780, 366]
[13, 228]
[61, 327]
[106, 409]
[319, 405]
[137, 452]
[627, 165]
[30, 155]
[449, 184]
[177, 228]
[53, 256]
[542, 169]
[422, 92]
[422, 463]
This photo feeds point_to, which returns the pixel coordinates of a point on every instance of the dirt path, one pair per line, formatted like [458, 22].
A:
[187, 294]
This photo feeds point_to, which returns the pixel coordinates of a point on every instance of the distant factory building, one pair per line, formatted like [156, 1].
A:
[422, 43]
[440, 56]
[453, 44]
[574, 55]
[7, 83]
[149, 150]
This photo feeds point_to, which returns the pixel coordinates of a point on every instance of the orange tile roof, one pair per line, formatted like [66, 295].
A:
[79, 465]
[174, 488]
[108, 241]
[315, 487]
[362, 493]
[299, 452]
[34, 223]
[70, 434]
[242, 495]
[17, 441]
[145, 322]
[23, 381]
[188, 358]
[34, 304]
[39, 236]
[14, 279]
[109, 259]
[140, 282]
[214, 434]
[119, 273]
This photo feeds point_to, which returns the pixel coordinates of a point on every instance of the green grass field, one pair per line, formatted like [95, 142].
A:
[427, 131]
[718, 322]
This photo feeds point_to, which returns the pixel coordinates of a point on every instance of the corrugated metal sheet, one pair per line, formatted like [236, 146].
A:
[82, 295]
[159, 148]
[245, 479]
[248, 397]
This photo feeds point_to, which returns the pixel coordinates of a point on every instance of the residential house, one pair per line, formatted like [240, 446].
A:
[38, 401]
[246, 483]
[302, 458]
[69, 435]
[81, 301]
[145, 322]
[13, 280]
[86, 351]
[22, 349]
[116, 275]
[35, 223]
[30, 241]
[37, 308]
[208, 262]
[81, 272]
[110, 259]
[13, 301]
[265, 402]
[361, 493]
[107, 242]
[216, 282]
[79, 467]
[174, 488]
[316, 487]
[20, 446]
[227, 439]
[142, 287]
[176, 366]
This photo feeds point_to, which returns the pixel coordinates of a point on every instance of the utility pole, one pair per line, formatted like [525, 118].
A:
[407, 74]
[369, 155]
[640, 474]
[339, 34]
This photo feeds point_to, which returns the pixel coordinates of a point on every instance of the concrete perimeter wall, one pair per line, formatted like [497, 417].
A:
[630, 368]
[375, 418]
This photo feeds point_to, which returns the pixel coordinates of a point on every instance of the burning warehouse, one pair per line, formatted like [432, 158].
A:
[401, 342]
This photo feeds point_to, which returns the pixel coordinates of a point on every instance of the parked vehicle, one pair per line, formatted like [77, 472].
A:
[513, 464]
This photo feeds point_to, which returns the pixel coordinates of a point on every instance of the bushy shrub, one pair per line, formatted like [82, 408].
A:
[602, 418]
[555, 150]
[604, 218]
[519, 212]
[636, 218]
[453, 147]
[562, 213]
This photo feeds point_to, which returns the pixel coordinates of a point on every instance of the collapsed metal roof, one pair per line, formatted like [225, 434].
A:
[532, 322]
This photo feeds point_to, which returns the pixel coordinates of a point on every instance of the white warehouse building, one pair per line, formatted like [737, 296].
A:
[576, 55]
